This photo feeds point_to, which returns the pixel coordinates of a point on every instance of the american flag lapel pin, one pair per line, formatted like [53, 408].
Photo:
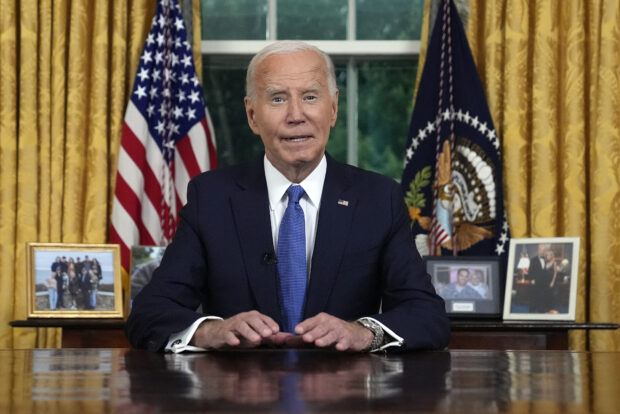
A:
[343, 203]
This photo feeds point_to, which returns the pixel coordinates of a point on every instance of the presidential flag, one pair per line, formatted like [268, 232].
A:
[453, 172]
[167, 137]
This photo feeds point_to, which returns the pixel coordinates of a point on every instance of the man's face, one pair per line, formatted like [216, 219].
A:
[293, 110]
[475, 278]
[541, 250]
[462, 277]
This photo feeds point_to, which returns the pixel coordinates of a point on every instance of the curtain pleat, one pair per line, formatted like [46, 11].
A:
[66, 75]
[550, 71]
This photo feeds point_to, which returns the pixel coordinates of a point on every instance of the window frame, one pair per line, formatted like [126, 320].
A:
[349, 51]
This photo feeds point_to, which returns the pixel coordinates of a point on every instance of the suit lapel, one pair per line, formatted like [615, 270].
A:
[335, 217]
[250, 207]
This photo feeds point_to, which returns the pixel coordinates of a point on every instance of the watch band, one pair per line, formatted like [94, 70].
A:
[376, 329]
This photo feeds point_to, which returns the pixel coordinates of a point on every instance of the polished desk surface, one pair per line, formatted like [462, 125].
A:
[131, 381]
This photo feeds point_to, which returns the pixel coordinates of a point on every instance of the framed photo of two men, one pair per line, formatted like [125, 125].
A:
[470, 286]
[74, 280]
[541, 279]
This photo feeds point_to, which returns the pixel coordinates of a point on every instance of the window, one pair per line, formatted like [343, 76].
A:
[374, 45]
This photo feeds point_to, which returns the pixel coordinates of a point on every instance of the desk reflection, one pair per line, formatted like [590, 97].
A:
[132, 381]
[289, 381]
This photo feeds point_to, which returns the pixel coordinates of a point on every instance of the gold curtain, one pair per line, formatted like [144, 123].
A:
[66, 72]
[550, 72]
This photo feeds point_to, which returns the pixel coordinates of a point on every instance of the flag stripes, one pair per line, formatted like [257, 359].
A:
[167, 138]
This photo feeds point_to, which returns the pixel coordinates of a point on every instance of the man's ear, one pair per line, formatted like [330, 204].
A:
[250, 114]
[334, 108]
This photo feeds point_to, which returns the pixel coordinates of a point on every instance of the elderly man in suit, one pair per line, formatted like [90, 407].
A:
[359, 283]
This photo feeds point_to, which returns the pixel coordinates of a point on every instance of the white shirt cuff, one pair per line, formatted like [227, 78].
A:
[179, 342]
[396, 339]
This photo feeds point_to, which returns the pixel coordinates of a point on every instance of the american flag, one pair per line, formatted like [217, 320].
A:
[167, 138]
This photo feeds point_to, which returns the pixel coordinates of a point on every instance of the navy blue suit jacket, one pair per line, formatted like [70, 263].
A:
[364, 259]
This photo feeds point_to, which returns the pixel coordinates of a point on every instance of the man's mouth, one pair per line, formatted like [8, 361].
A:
[297, 138]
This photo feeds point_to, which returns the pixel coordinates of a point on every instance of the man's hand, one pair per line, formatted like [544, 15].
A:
[244, 330]
[325, 330]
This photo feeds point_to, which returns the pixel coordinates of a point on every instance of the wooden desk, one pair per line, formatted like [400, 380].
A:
[466, 334]
[516, 335]
[130, 381]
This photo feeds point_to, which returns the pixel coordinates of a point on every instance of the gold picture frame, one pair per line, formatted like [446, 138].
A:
[74, 280]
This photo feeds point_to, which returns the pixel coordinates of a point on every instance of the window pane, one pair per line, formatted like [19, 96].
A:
[224, 85]
[384, 112]
[337, 144]
[389, 19]
[234, 19]
[312, 20]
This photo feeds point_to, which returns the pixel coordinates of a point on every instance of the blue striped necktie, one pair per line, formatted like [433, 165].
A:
[292, 268]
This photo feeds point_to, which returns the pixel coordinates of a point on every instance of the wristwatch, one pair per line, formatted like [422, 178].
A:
[377, 331]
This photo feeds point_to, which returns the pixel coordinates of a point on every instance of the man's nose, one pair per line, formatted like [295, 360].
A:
[295, 111]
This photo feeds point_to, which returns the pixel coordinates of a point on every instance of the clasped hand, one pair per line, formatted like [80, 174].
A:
[251, 329]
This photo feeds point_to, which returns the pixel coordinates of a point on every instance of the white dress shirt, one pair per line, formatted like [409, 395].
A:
[277, 184]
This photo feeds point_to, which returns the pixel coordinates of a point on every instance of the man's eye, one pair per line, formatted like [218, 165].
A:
[310, 98]
[278, 99]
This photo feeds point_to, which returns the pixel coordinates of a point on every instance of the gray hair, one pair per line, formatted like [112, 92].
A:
[285, 47]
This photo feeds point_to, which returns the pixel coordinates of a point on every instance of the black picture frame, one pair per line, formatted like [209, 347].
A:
[481, 296]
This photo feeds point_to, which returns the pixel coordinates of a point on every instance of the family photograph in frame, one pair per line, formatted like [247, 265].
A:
[74, 280]
[541, 280]
[469, 286]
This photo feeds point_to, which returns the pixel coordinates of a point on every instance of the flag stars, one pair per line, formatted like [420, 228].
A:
[191, 113]
[150, 39]
[446, 115]
[195, 80]
[181, 95]
[459, 115]
[165, 92]
[475, 122]
[141, 92]
[409, 153]
[194, 96]
[187, 45]
[178, 23]
[422, 134]
[175, 60]
[184, 78]
[156, 74]
[153, 93]
[177, 43]
[177, 112]
[160, 39]
[187, 61]
[430, 127]
[167, 74]
[160, 127]
[146, 57]
[143, 74]
[150, 109]
[159, 57]
[483, 128]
